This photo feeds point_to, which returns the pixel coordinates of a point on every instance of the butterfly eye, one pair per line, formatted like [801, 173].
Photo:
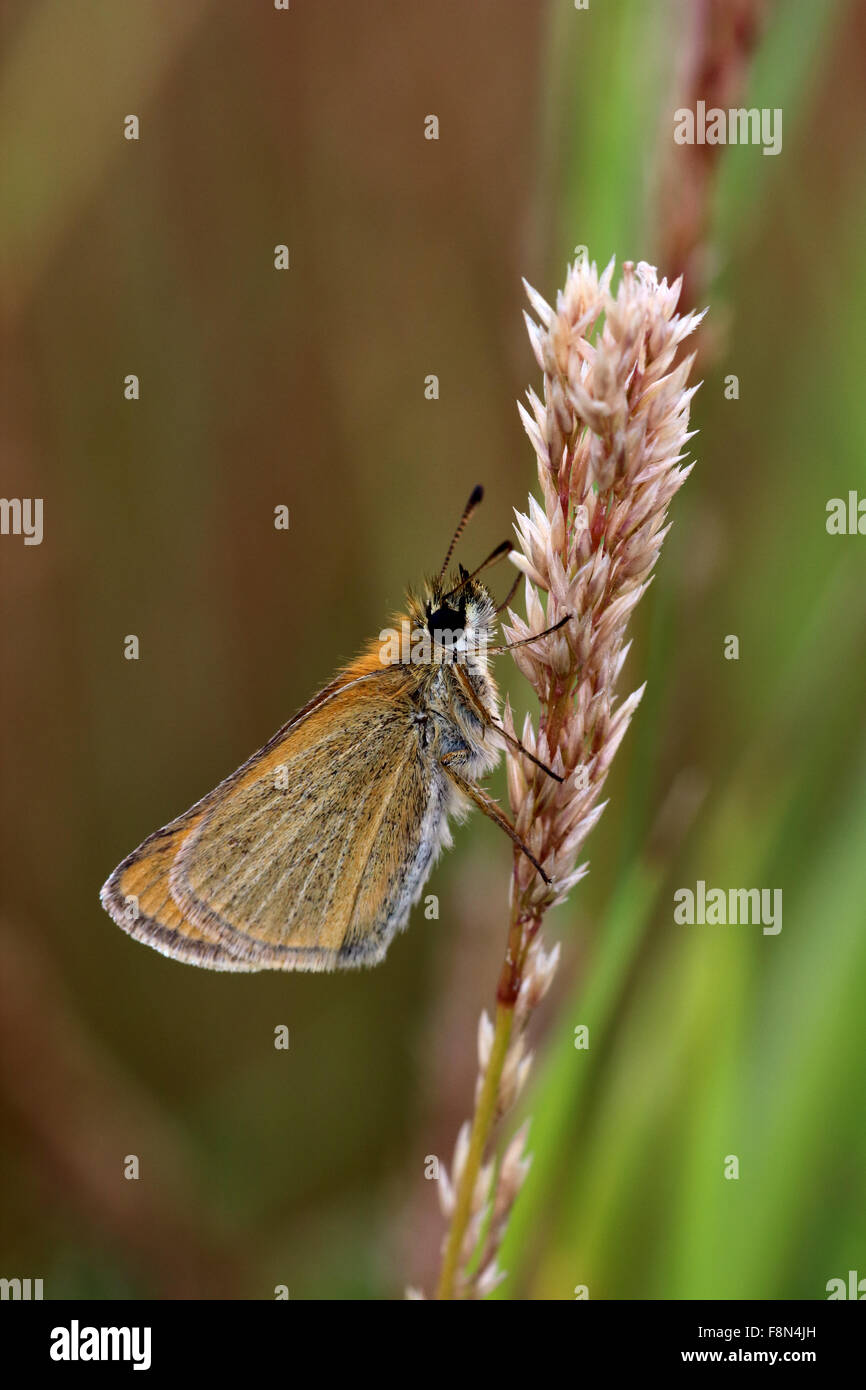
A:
[447, 620]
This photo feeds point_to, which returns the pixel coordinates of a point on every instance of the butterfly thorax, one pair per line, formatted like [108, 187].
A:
[436, 657]
[455, 689]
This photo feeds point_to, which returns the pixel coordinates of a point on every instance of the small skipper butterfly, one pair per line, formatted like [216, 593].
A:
[311, 855]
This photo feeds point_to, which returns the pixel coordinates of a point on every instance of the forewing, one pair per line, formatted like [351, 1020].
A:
[138, 897]
[301, 860]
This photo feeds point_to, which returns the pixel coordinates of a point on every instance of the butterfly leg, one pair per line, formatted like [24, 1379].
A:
[525, 641]
[486, 804]
[477, 707]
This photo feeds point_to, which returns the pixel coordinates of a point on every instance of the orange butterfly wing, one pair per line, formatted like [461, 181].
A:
[310, 855]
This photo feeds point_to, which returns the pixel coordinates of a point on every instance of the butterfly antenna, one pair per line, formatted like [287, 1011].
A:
[510, 595]
[494, 555]
[477, 494]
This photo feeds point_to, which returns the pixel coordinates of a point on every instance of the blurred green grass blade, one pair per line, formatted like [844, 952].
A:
[787, 64]
[605, 73]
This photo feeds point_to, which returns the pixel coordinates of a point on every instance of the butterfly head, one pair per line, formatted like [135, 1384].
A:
[458, 614]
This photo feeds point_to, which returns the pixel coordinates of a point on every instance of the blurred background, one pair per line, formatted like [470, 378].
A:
[306, 388]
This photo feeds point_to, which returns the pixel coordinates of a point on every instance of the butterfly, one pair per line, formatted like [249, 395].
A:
[311, 855]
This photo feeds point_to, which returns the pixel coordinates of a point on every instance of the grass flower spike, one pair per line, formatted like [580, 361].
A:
[609, 432]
